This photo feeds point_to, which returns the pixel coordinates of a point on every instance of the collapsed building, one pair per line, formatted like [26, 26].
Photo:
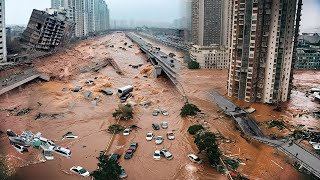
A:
[48, 30]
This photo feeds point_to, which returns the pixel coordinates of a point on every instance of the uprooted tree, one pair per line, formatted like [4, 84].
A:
[206, 141]
[189, 110]
[107, 169]
[195, 128]
[115, 128]
[124, 112]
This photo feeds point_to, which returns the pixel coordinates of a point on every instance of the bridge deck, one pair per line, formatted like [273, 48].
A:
[160, 57]
[18, 80]
[308, 160]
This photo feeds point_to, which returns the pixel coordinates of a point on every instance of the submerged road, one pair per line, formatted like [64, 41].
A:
[306, 159]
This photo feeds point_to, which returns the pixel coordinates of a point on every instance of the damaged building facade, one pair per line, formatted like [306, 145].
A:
[90, 16]
[48, 29]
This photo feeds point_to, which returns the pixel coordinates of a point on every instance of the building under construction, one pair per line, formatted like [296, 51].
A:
[48, 29]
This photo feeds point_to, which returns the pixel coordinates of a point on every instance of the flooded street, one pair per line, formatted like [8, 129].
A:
[90, 122]
[78, 115]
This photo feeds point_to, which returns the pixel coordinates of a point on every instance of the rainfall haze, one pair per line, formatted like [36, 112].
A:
[156, 11]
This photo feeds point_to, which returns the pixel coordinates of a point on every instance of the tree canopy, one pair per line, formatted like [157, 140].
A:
[206, 141]
[189, 110]
[125, 112]
[107, 169]
[195, 128]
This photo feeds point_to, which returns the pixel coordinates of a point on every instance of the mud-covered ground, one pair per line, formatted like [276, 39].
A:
[89, 122]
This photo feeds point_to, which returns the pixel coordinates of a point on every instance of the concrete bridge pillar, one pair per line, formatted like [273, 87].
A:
[157, 71]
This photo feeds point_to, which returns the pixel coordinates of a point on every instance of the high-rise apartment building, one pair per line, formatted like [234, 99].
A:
[209, 20]
[3, 44]
[263, 33]
[90, 16]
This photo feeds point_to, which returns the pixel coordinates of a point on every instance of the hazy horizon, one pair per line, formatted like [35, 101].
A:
[145, 10]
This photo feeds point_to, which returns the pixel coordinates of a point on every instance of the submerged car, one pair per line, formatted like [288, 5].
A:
[128, 154]
[89, 82]
[155, 126]
[164, 125]
[194, 158]
[106, 92]
[170, 135]
[156, 155]
[165, 112]
[123, 173]
[80, 170]
[159, 139]
[77, 89]
[69, 135]
[126, 132]
[166, 154]
[133, 146]
[20, 149]
[114, 156]
[149, 136]
[155, 112]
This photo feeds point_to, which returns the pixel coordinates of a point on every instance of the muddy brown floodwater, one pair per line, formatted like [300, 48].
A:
[90, 122]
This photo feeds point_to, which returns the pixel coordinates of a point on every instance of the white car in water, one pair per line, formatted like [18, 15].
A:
[164, 125]
[170, 135]
[156, 155]
[126, 132]
[149, 136]
[194, 158]
[80, 170]
[159, 139]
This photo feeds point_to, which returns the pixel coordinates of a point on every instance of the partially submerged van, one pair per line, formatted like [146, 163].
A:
[124, 90]
[47, 153]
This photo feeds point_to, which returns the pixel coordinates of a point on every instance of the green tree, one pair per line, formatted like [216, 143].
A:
[107, 169]
[206, 141]
[195, 128]
[115, 128]
[193, 65]
[189, 110]
[213, 154]
[125, 112]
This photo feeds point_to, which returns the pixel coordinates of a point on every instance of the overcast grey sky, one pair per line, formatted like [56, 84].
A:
[19, 11]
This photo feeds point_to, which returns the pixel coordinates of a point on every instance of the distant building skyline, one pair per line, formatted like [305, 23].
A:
[139, 10]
